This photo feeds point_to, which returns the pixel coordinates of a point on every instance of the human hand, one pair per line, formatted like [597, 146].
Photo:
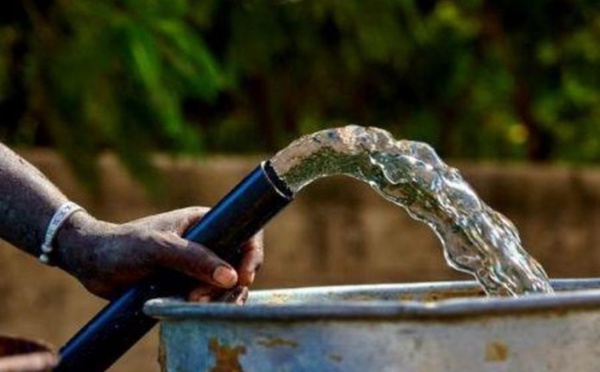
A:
[108, 258]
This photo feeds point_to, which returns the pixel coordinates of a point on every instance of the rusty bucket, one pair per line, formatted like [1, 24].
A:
[448, 326]
[21, 355]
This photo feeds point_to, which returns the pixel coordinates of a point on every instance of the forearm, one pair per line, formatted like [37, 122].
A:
[27, 202]
[108, 258]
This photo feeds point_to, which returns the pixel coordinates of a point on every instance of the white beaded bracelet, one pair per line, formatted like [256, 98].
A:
[60, 217]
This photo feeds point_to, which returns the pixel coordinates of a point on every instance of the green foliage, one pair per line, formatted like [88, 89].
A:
[477, 79]
[104, 75]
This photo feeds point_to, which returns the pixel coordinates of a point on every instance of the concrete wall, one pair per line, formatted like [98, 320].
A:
[337, 231]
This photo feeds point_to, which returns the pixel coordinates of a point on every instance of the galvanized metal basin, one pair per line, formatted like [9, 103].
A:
[445, 326]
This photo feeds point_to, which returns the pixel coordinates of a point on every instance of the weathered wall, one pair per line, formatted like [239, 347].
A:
[337, 231]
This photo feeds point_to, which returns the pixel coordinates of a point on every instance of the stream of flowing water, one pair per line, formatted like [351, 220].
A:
[476, 239]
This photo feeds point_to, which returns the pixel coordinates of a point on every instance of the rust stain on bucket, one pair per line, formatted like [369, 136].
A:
[226, 357]
[278, 299]
[438, 295]
[162, 357]
[496, 351]
[273, 342]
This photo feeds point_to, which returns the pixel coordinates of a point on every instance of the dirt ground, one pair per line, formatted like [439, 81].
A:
[336, 232]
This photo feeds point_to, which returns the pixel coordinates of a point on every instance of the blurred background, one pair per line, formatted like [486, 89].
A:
[476, 79]
[507, 91]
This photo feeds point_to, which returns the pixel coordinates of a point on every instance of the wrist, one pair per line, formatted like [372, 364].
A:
[75, 242]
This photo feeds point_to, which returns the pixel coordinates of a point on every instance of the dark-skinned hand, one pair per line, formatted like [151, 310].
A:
[108, 258]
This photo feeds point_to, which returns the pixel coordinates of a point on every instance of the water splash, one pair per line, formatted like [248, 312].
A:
[476, 239]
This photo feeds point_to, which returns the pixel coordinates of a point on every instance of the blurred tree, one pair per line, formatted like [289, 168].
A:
[476, 79]
[85, 76]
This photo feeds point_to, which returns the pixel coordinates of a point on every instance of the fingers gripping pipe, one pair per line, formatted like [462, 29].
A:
[236, 218]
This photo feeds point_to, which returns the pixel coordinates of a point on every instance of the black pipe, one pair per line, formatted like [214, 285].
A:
[235, 219]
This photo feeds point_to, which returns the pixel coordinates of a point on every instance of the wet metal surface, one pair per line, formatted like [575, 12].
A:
[414, 327]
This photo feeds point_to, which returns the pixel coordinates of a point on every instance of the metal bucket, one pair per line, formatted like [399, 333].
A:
[446, 326]
[20, 355]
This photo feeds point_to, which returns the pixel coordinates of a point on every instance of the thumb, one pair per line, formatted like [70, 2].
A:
[196, 261]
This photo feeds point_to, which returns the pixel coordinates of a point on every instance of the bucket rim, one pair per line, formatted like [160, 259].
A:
[571, 295]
